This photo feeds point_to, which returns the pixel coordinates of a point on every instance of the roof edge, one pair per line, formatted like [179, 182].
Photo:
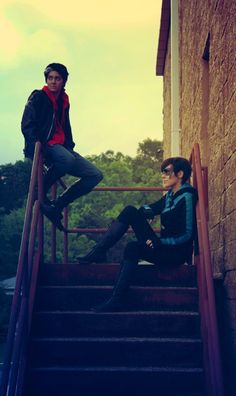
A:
[163, 37]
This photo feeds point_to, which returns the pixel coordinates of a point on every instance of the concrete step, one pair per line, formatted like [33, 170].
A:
[115, 381]
[116, 351]
[118, 324]
[106, 274]
[62, 298]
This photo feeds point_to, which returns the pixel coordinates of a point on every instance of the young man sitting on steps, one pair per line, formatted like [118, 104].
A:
[173, 247]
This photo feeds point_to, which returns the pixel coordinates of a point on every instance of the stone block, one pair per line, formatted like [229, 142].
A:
[230, 198]
[230, 285]
[229, 227]
[229, 168]
[230, 256]
[217, 259]
[216, 236]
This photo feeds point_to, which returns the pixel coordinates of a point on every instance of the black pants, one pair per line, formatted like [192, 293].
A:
[134, 251]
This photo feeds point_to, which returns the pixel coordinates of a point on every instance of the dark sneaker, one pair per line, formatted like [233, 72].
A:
[53, 214]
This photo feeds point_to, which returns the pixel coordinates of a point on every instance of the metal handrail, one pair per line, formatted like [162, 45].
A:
[23, 298]
[207, 306]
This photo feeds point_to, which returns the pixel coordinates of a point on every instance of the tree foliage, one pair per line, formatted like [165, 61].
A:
[14, 184]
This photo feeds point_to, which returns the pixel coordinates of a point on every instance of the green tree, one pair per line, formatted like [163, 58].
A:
[146, 164]
[11, 226]
[14, 184]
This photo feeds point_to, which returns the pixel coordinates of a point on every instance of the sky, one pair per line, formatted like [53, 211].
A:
[109, 48]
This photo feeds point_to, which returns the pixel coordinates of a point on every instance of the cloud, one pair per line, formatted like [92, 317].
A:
[42, 44]
[29, 36]
[10, 43]
[108, 12]
[93, 12]
[39, 30]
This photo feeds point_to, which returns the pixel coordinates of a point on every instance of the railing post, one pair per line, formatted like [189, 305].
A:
[65, 237]
[215, 382]
[21, 268]
[53, 230]
[41, 199]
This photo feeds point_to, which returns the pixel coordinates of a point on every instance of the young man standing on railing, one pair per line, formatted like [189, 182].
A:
[173, 247]
[46, 119]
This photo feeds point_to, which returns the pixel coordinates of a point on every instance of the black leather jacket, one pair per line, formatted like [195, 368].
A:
[38, 122]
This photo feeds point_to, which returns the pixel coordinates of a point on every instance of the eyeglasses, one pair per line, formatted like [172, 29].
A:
[167, 172]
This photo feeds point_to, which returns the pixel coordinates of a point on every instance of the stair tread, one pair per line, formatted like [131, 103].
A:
[84, 274]
[119, 339]
[110, 287]
[125, 313]
[121, 369]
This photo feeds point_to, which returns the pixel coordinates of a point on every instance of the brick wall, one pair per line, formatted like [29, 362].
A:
[208, 116]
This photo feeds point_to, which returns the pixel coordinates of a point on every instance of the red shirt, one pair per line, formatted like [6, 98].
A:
[59, 134]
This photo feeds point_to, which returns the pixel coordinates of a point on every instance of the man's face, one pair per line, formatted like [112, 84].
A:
[169, 179]
[55, 82]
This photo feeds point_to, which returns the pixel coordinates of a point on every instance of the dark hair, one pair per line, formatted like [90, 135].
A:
[179, 163]
[59, 68]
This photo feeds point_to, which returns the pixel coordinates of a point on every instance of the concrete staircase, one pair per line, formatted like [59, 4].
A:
[152, 348]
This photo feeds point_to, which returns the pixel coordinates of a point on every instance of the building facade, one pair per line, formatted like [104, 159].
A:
[206, 106]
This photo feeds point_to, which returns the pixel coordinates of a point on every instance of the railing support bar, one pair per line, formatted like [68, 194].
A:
[216, 380]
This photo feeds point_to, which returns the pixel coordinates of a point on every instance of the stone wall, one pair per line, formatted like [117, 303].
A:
[207, 116]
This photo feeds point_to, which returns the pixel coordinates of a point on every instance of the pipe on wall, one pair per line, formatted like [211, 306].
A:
[174, 36]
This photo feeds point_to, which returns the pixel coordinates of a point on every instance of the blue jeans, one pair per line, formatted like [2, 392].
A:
[62, 161]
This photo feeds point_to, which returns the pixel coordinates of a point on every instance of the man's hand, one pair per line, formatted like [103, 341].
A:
[149, 243]
[153, 243]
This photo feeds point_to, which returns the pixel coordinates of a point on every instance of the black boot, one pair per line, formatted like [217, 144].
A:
[53, 209]
[98, 253]
[53, 213]
[116, 302]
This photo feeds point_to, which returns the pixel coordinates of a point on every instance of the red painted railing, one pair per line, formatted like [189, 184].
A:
[30, 258]
[26, 277]
[209, 326]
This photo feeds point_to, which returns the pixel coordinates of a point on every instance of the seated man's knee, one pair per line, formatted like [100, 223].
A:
[93, 180]
[99, 176]
[128, 214]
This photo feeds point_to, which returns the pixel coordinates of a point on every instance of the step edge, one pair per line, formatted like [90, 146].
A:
[120, 368]
[126, 313]
[118, 339]
[109, 287]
